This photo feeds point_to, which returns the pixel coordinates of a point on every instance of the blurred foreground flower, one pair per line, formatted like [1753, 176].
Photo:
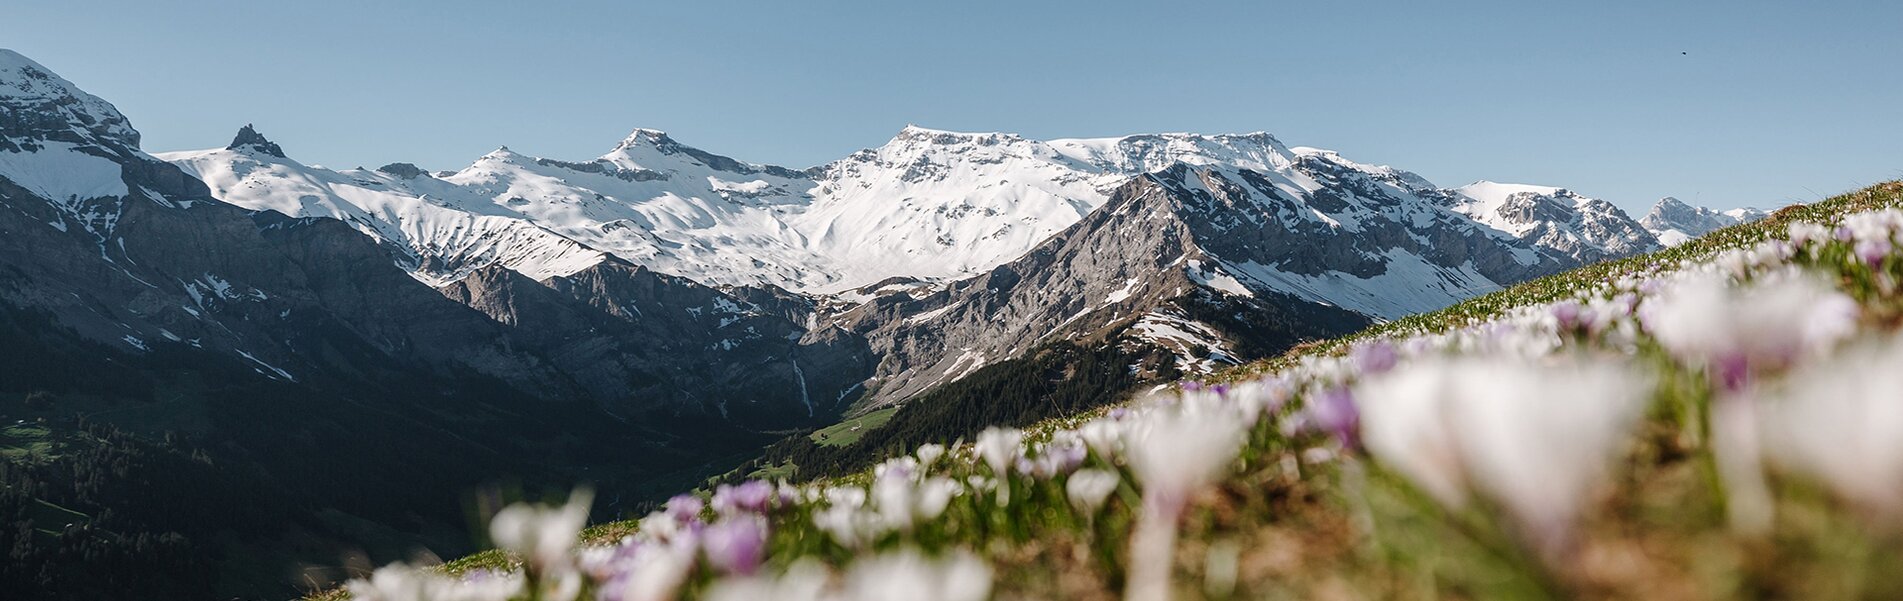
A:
[399, 582]
[1174, 451]
[1842, 423]
[1534, 437]
[1089, 488]
[1735, 332]
[542, 536]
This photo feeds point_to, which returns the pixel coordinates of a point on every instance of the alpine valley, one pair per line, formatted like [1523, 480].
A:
[212, 356]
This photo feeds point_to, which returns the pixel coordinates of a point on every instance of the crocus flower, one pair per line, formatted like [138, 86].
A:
[998, 447]
[542, 536]
[804, 581]
[752, 496]
[1174, 452]
[1735, 332]
[910, 575]
[1532, 436]
[1873, 251]
[399, 582]
[1333, 410]
[1089, 488]
[1802, 234]
[685, 508]
[735, 545]
[1375, 357]
[654, 573]
[1842, 423]
[929, 453]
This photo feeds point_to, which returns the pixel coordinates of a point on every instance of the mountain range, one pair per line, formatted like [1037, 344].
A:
[659, 311]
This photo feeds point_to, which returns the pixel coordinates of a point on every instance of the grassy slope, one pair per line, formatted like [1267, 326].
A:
[847, 432]
[1287, 526]
[1563, 285]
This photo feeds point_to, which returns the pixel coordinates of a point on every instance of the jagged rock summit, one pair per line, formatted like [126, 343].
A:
[248, 138]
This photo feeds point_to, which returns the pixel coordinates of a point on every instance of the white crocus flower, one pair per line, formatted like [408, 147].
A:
[910, 575]
[1842, 423]
[399, 582]
[804, 581]
[928, 454]
[1089, 488]
[1104, 437]
[1174, 452]
[999, 448]
[1533, 436]
[657, 572]
[1735, 331]
[542, 536]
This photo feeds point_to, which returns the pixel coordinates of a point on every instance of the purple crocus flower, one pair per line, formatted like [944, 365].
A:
[1333, 411]
[1374, 357]
[753, 496]
[735, 546]
[1567, 314]
[1873, 251]
[685, 508]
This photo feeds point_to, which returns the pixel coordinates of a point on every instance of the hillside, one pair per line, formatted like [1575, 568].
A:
[1710, 421]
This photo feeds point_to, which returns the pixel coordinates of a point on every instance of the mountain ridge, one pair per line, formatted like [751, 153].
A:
[929, 203]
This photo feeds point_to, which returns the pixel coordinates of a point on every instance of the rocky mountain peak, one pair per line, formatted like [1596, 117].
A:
[248, 138]
[642, 136]
[403, 170]
[37, 105]
[653, 149]
[1675, 221]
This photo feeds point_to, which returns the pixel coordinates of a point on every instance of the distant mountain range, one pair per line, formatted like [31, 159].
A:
[677, 304]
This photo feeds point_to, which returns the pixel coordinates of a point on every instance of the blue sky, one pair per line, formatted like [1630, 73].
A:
[1721, 103]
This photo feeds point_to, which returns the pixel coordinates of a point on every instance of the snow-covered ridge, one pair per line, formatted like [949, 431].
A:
[1675, 222]
[39, 104]
[441, 234]
[929, 204]
[1587, 228]
[51, 133]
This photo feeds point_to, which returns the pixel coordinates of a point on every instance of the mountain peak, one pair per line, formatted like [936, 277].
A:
[642, 136]
[1669, 203]
[501, 153]
[48, 106]
[941, 136]
[248, 138]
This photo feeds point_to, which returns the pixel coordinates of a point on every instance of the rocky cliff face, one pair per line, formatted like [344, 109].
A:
[639, 340]
[1215, 264]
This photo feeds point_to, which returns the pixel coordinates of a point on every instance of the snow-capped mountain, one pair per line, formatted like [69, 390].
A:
[931, 205]
[932, 209]
[931, 255]
[1589, 229]
[1216, 264]
[296, 277]
[435, 237]
[1674, 222]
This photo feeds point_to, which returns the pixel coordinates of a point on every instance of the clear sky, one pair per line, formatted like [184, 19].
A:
[1720, 103]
